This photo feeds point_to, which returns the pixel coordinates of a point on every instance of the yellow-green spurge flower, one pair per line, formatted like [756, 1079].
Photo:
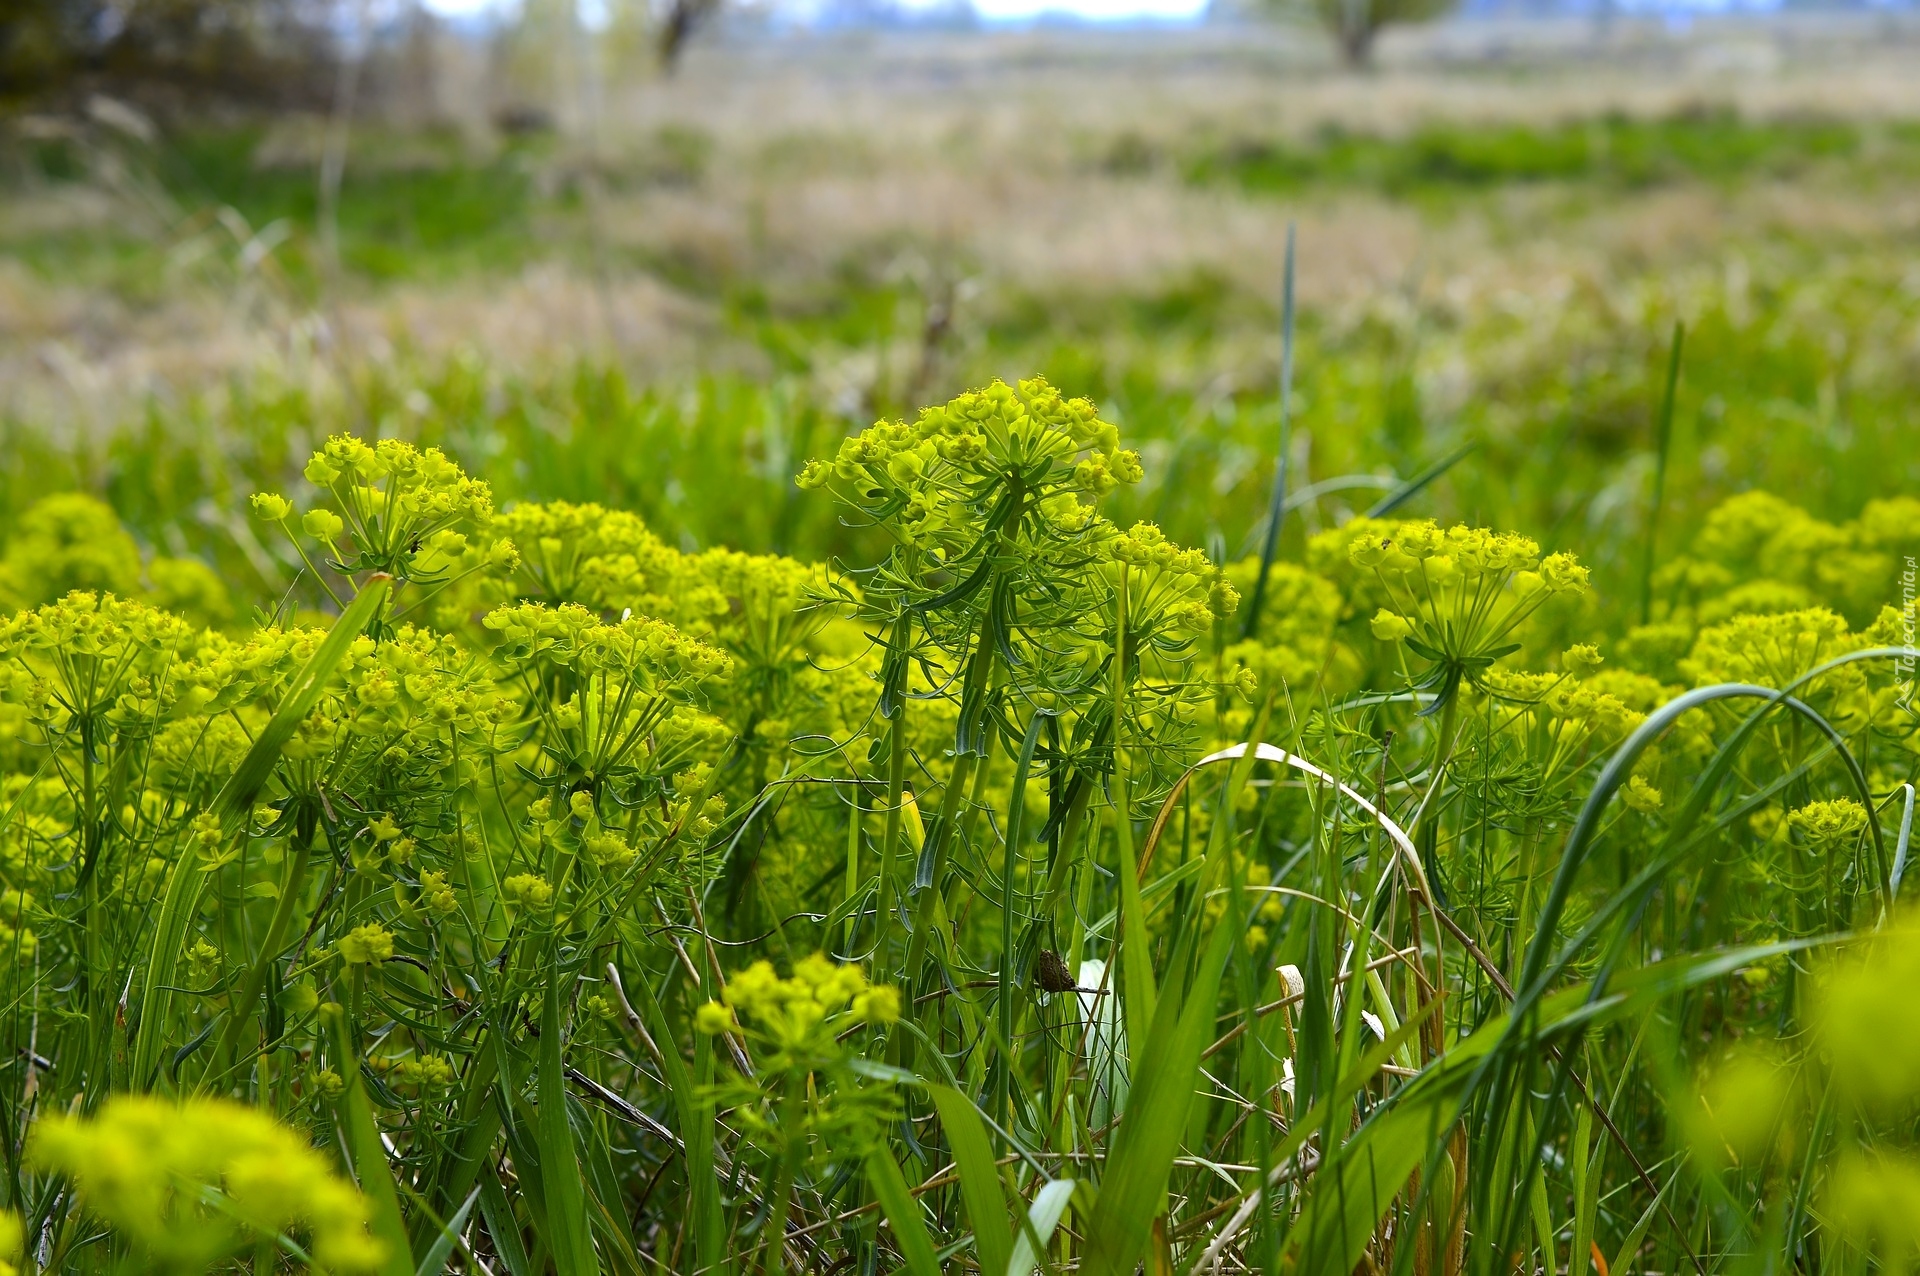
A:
[187, 1184]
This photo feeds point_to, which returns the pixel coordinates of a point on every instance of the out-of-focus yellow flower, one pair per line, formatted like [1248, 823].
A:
[1738, 1110]
[879, 1005]
[1862, 1010]
[528, 890]
[804, 1012]
[1388, 627]
[713, 1018]
[140, 1163]
[1641, 796]
[1874, 1200]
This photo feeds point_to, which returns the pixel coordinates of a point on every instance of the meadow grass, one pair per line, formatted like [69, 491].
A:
[635, 822]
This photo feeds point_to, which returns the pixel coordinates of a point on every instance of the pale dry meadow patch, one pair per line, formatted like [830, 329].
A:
[992, 165]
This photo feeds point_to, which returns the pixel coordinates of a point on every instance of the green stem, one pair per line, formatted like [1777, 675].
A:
[1662, 445]
[245, 1005]
[1277, 504]
[896, 799]
[775, 1233]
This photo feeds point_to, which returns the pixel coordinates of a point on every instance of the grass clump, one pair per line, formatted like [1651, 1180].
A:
[999, 896]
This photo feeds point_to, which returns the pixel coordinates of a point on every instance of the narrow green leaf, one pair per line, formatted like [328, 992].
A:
[369, 1154]
[1136, 957]
[235, 800]
[503, 1227]
[1662, 448]
[1277, 503]
[1344, 1210]
[1586, 1164]
[571, 1240]
[434, 1261]
[1362, 1177]
[696, 1131]
[980, 1186]
[1049, 1206]
[1630, 1246]
[1156, 1118]
[1418, 483]
[903, 1212]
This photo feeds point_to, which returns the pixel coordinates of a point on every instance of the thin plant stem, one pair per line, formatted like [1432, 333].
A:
[1277, 503]
[1662, 447]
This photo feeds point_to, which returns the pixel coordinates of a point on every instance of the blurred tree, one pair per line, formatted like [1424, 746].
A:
[678, 25]
[1356, 24]
[274, 50]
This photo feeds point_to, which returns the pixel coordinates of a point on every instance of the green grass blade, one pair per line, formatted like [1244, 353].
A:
[571, 1239]
[1156, 1117]
[369, 1154]
[434, 1261]
[1630, 1246]
[1662, 447]
[1420, 482]
[502, 1227]
[1049, 1206]
[980, 1186]
[1136, 950]
[1277, 502]
[903, 1212]
[235, 799]
[696, 1131]
[1586, 1166]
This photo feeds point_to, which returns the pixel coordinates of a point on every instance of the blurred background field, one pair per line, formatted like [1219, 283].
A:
[590, 279]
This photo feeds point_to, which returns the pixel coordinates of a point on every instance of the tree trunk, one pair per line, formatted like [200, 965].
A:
[1356, 38]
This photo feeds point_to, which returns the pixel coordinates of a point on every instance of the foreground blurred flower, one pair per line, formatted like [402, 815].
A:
[154, 1171]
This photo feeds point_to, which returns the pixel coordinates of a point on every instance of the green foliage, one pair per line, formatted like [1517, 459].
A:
[1613, 150]
[481, 888]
